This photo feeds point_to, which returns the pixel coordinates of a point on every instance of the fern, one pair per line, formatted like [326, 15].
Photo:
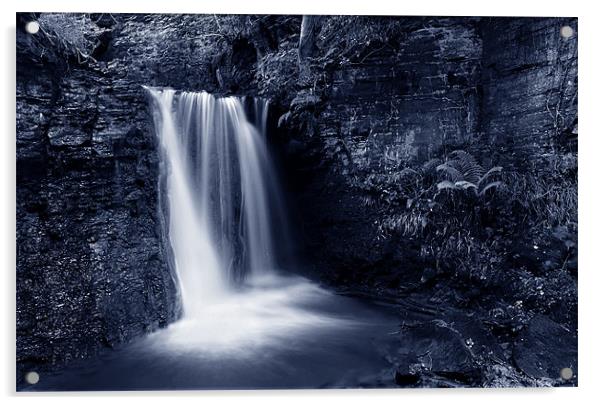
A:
[450, 172]
[465, 185]
[462, 172]
[489, 186]
[468, 165]
[490, 172]
[446, 185]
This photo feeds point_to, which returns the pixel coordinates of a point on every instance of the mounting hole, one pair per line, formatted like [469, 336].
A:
[566, 373]
[32, 27]
[566, 31]
[32, 377]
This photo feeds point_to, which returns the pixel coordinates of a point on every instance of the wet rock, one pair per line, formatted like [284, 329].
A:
[435, 350]
[544, 348]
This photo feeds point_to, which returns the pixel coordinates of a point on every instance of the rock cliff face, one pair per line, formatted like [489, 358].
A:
[529, 87]
[92, 268]
[504, 89]
[390, 98]
[364, 96]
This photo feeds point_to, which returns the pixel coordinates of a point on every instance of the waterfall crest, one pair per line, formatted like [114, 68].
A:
[220, 190]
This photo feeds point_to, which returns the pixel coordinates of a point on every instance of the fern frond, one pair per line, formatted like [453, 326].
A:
[446, 185]
[464, 157]
[473, 173]
[465, 185]
[493, 170]
[489, 186]
[466, 164]
[450, 171]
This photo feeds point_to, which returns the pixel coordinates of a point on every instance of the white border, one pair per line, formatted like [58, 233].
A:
[590, 184]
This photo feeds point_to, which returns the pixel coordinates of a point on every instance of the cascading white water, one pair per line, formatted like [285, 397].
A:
[218, 180]
[223, 209]
[188, 234]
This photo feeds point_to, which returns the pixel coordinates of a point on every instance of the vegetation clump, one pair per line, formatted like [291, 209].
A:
[483, 227]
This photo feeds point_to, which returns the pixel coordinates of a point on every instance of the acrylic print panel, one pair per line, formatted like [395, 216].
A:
[272, 201]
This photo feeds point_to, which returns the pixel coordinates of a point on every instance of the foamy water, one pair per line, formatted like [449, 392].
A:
[266, 312]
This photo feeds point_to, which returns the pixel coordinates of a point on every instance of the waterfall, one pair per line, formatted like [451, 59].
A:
[221, 192]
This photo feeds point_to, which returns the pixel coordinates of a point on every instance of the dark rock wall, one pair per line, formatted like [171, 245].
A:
[503, 88]
[529, 86]
[389, 101]
[399, 102]
[92, 270]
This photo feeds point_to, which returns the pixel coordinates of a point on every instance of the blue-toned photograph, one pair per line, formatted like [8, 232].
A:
[225, 202]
